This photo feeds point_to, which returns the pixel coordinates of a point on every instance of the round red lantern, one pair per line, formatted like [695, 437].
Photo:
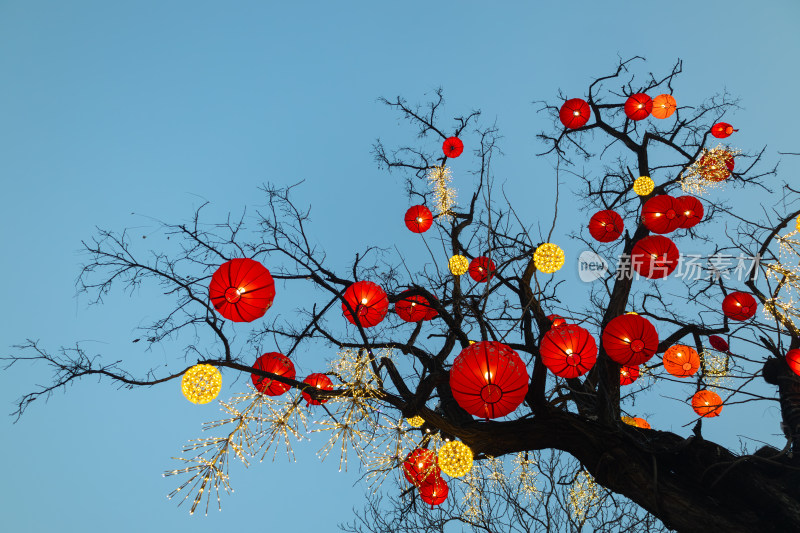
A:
[421, 465]
[368, 301]
[488, 379]
[710, 165]
[663, 214]
[481, 269]
[274, 363]
[793, 360]
[452, 147]
[638, 106]
[720, 130]
[718, 343]
[320, 381]
[606, 226]
[654, 257]
[434, 492]
[568, 351]
[628, 374]
[630, 340]
[692, 210]
[414, 308]
[681, 361]
[739, 306]
[574, 113]
[419, 218]
[707, 403]
[241, 290]
[556, 320]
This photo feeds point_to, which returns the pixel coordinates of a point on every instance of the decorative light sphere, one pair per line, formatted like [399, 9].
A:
[643, 185]
[201, 383]
[797, 224]
[458, 265]
[455, 458]
[548, 258]
[415, 421]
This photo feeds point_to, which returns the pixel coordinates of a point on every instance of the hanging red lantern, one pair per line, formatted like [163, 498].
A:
[368, 301]
[654, 256]
[721, 130]
[241, 290]
[320, 381]
[739, 306]
[664, 106]
[628, 374]
[421, 465]
[452, 147]
[606, 226]
[434, 492]
[414, 308]
[481, 269]
[419, 218]
[630, 340]
[711, 163]
[793, 360]
[692, 210]
[568, 351]
[718, 343]
[575, 113]
[707, 403]
[556, 321]
[488, 379]
[638, 106]
[663, 214]
[681, 361]
[274, 363]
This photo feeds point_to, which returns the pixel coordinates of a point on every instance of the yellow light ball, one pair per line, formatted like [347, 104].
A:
[455, 459]
[458, 265]
[631, 313]
[643, 185]
[201, 383]
[797, 224]
[415, 421]
[548, 258]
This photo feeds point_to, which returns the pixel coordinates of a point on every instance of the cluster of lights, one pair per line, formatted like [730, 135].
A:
[583, 495]
[548, 258]
[455, 458]
[708, 172]
[458, 265]
[444, 196]
[643, 185]
[415, 421]
[201, 383]
[715, 367]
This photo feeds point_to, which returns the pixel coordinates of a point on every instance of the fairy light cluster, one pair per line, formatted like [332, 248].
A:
[444, 196]
[708, 172]
[455, 458]
[785, 273]
[716, 367]
[201, 383]
[525, 472]
[583, 495]
[458, 265]
[548, 258]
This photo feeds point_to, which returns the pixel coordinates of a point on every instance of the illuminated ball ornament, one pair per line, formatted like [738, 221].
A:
[643, 185]
[575, 113]
[458, 265]
[434, 492]
[421, 466]
[481, 269]
[681, 361]
[415, 421]
[319, 381]
[793, 360]
[721, 130]
[797, 224]
[630, 340]
[638, 106]
[606, 226]
[201, 383]
[664, 106]
[368, 301]
[452, 147]
[707, 403]
[739, 306]
[548, 258]
[455, 458]
[418, 219]
[628, 374]
[241, 290]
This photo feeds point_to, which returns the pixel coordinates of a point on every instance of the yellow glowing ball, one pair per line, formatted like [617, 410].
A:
[201, 383]
[548, 258]
[415, 421]
[643, 185]
[631, 313]
[458, 265]
[797, 224]
[455, 459]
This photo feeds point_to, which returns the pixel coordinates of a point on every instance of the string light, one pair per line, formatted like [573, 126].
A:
[455, 459]
[715, 367]
[458, 265]
[444, 196]
[708, 172]
[583, 495]
[643, 185]
[548, 258]
[201, 383]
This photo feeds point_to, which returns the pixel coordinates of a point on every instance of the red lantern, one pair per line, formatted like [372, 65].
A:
[241, 290]
[368, 301]
[481, 269]
[414, 309]
[556, 320]
[606, 226]
[419, 218]
[568, 351]
[574, 113]
[452, 147]
[421, 465]
[434, 492]
[718, 343]
[663, 214]
[638, 106]
[692, 210]
[720, 130]
[274, 363]
[793, 360]
[320, 381]
[708, 167]
[628, 374]
[681, 361]
[630, 340]
[739, 306]
[654, 256]
[707, 403]
[488, 379]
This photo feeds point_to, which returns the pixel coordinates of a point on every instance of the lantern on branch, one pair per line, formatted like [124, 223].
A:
[241, 290]
[488, 379]
[606, 226]
[368, 301]
[556, 320]
[793, 360]
[630, 340]
[455, 458]
[718, 343]
[635, 421]
[575, 113]
[414, 308]
[548, 258]
[420, 466]
[434, 492]
[692, 210]
[654, 256]
[707, 403]
[628, 374]
[663, 214]
[568, 351]
[274, 363]
[319, 381]
[458, 265]
[419, 218]
[452, 147]
[643, 185]
[721, 130]
[739, 306]
[664, 106]
[201, 383]
[681, 361]
[481, 269]
[638, 106]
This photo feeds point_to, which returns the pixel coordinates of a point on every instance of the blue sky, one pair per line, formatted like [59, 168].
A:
[113, 114]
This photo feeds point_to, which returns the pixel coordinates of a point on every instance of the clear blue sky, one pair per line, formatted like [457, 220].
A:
[114, 108]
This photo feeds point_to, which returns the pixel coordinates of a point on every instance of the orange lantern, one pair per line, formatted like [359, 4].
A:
[663, 106]
[681, 361]
[707, 404]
